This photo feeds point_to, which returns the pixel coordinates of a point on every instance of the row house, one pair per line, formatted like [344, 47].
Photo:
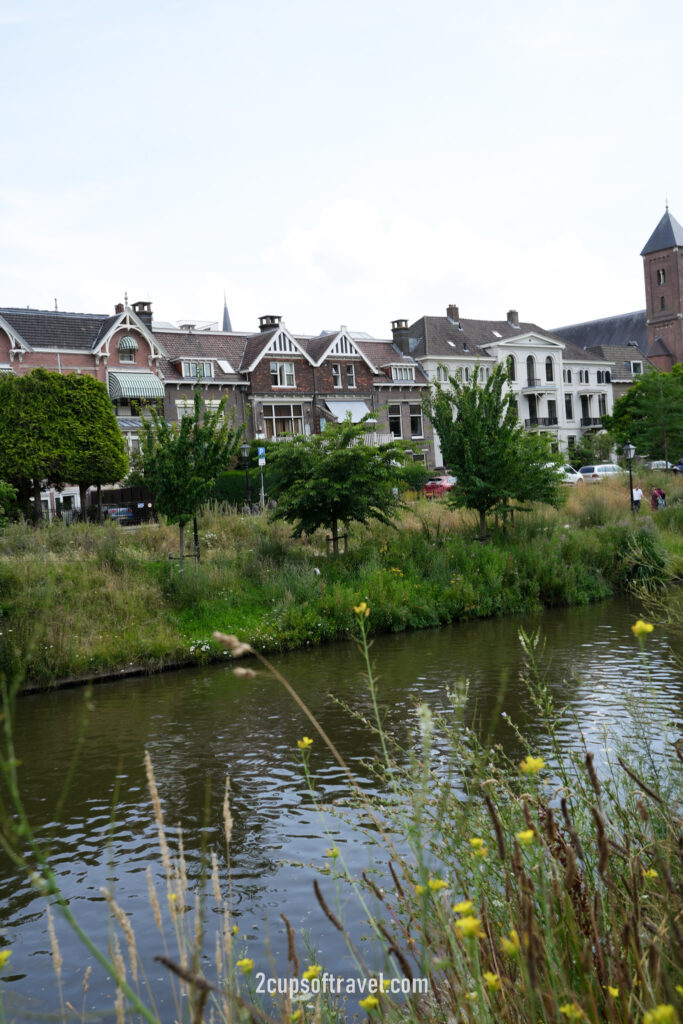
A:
[559, 389]
[276, 383]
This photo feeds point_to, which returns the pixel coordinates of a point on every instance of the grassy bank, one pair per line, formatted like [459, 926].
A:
[85, 599]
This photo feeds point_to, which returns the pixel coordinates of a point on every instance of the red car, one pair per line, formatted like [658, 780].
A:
[438, 486]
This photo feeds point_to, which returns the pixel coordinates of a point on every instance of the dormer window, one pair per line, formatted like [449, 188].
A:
[403, 373]
[127, 347]
[197, 371]
[636, 368]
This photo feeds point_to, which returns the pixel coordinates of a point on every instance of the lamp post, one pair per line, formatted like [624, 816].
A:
[245, 452]
[629, 454]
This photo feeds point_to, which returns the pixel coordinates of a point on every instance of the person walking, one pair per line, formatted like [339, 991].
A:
[636, 498]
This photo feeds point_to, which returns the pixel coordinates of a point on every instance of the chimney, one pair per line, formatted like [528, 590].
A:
[119, 307]
[143, 311]
[399, 330]
[453, 313]
[268, 323]
[513, 318]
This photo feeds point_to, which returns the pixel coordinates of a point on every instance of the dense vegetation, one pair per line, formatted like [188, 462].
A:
[88, 599]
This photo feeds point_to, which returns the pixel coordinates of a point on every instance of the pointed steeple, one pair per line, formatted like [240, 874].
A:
[667, 235]
[227, 326]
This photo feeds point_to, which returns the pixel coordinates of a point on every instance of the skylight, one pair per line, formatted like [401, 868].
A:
[452, 344]
[496, 334]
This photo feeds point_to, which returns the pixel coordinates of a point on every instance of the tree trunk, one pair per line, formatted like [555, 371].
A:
[482, 526]
[181, 529]
[335, 537]
[83, 490]
[196, 539]
[37, 506]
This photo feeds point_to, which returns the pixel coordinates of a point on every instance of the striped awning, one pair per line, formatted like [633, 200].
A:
[6, 369]
[127, 344]
[135, 385]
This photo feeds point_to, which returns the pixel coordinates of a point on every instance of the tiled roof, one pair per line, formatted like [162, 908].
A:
[183, 344]
[254, 347]
[621, 356]
[42, 328]
[441, 336]
[666, 235]
[616, 330]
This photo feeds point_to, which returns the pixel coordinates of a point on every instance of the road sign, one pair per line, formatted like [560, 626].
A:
[261, 453]
[261, 462]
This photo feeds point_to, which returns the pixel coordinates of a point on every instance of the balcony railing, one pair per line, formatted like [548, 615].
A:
[591, 421]
[541, 421]
[372, 440]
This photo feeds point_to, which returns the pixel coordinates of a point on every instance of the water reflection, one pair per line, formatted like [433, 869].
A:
[202, 725]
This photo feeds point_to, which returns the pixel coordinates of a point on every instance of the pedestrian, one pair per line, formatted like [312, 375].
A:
[661, 498]
[637, 498]
[654, 498]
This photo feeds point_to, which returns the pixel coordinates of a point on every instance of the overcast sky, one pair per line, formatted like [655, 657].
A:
[336, 163]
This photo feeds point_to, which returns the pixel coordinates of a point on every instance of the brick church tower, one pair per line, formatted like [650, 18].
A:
[663, 266]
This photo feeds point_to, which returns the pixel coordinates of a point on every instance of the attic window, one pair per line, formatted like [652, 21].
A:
[496, 334]
[403, 372]
[452, 344]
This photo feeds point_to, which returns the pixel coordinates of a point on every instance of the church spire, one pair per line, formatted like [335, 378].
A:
[227, 326]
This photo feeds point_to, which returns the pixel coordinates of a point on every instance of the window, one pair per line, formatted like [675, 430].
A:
[549, 369]
[662, 302]
[441, 373]
[530, 370]
[584, 377]
[602, 405]
[598, 376]
[416, 421]
[127, 356]
[569, 407]
[636, 368]
[184, 407]
[661, 277]
[608, 377]
[512, 368]
[395, 420]
[336, 375]
[282, 375]
[350, 375]
[571, 442]
[552, 409]
[283, 419]
[466, 372]
[569, 376]
[403, 372]
[194, 369]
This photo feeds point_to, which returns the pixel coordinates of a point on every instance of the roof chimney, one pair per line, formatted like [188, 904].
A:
[453, 313]
[143, 311]
[513, 318]
[399, 331]
[268, 323]
[119, 307]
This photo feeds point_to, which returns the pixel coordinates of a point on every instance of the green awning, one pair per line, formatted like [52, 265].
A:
[135, 385]
[127, 344]
[6, 369]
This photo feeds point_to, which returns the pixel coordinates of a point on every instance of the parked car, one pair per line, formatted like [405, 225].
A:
[659, 464]
[125, 516]
[679, 468]
[569, 475]
[603, 471]
[438, 486]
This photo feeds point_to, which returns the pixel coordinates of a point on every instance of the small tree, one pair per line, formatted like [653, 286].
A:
[334, 478]
[181, 460]
[650, 415]
[485, 447]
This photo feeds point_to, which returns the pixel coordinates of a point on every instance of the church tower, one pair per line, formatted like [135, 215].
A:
[663, 266]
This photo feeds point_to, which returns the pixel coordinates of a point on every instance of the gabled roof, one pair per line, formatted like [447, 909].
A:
[279, 342]
[667, 235]
[659, 348]
[188, 345]
[41, 328]
[336, 344]
[385, 354]
[621, 356]
[441, 336]
[617, 330]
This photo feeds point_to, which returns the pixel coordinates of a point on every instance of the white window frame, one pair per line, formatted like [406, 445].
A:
[403, 373]
[294, 417]
[127, 355]
[414, 416]
[197, 369]
[282, 375]
[350, 371]
[336, 375]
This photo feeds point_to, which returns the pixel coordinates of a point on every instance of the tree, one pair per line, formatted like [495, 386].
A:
[98, 451]
[334, 478]
[181, 460]
[650, 415]
[485, 447]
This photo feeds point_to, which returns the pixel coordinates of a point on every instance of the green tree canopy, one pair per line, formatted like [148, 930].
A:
[650, 415]
[333, 478]
[97, 449]
[483, 444]
[181, 460]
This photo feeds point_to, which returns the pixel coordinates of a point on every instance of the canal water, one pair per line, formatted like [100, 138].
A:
[202, 724]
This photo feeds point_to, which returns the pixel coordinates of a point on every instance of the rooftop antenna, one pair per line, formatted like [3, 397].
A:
[56, 307]
[666, 203]
[125, 299]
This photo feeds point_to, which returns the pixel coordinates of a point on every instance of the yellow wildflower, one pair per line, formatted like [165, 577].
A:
[362, 609]
[531, 765]
[5, 954]
[386, 982]
[333, 853]
[305, 743]
[235, 929]
[612, 991]
[420, 889]
[526, 837]
[472, 995]
[650, 873]
[512, 945]
[462, 907]
[492, 980]
[479, 847]
[476, 842]
[470, 927]
[311, 972]
[662, 1014]
[245, 964]
[641, 629]
[295, 1016]
[679, 989]
[369, 1003]
[572, 1010]
[437, 883]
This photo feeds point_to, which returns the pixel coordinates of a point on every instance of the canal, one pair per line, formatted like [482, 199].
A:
[202, 724]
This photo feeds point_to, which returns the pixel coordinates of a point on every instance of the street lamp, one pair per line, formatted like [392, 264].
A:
[629, 454]
[245, 452]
